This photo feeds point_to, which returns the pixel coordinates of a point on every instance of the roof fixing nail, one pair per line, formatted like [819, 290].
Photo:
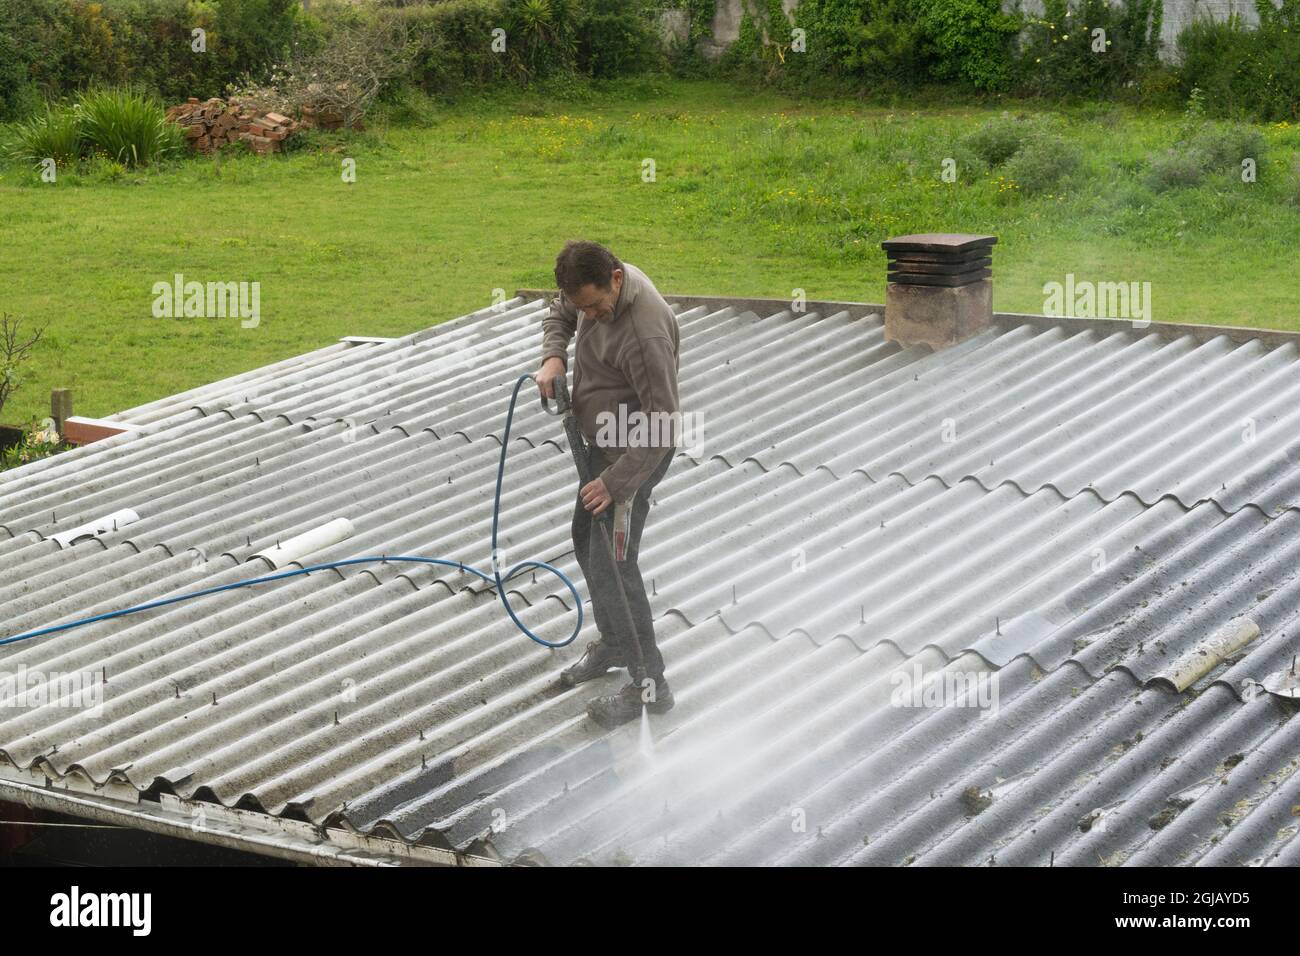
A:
[214, 698]
[336, 718]
[997, 624]
[733, 594]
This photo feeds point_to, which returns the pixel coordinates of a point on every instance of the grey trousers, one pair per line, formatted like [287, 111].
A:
[599, 568]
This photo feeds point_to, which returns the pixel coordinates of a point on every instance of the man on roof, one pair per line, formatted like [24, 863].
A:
[624, 397]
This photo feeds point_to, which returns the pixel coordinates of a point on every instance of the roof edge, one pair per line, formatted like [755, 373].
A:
[244, 830]
[1237, 333]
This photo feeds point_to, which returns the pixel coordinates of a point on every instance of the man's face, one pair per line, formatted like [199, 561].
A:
[597, 303]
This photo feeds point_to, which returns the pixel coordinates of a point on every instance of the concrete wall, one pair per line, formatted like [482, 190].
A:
[1177, 14]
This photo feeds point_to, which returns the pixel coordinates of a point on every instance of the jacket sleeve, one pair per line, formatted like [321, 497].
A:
[651, 367]
[558, 326]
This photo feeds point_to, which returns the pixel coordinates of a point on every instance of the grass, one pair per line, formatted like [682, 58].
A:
[756, 194]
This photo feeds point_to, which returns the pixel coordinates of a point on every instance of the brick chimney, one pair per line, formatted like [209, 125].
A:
[940, 289]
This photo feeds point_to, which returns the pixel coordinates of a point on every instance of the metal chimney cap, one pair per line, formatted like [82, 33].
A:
[949, 242]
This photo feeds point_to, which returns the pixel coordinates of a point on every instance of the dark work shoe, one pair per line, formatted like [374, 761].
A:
[615, 709]
[595, 661]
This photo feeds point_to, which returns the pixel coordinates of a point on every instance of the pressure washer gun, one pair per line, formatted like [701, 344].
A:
[613, 532]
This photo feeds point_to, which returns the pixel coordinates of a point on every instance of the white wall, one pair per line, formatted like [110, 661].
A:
[1177, 14]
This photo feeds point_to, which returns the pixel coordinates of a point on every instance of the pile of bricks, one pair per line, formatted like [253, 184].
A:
[213, 123]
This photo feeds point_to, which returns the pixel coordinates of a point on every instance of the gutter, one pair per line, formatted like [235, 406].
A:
[245, 830]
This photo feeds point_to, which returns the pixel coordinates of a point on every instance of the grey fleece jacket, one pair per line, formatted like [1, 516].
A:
[624, 365]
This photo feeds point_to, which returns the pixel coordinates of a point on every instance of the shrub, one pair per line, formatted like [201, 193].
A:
[876, 41]
[57, 47]
[15, 349]
[56, 134]
[256, 34]
[127, 126]
[1227, 144]
[157, 38]
[972, 41]
[1032, 158]
[541, 37]
[358, 59]
[1274, 70]
[1061, 56]
[450, 45]
[1042, 163]
[1245, 72]
[1173, 168]
[119, 124]
[997, 140]
[905, 42]
[1213, 56]
[407, 105]
[61, 46]
[615, 38]
[1204, 147]
[15, 85]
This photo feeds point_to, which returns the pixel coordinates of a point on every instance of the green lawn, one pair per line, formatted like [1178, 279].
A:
[756, 194]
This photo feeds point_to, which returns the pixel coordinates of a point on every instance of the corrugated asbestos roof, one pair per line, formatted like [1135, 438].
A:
[1061, 517]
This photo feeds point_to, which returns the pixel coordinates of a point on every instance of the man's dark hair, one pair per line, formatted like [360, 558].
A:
[581, 263]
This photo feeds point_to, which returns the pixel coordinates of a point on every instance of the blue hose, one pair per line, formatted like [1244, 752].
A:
[495, 577]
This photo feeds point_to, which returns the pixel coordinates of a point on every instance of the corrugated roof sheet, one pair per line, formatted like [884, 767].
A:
[1058, 513]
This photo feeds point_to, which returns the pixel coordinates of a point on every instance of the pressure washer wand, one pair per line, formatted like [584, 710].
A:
[578, 446]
